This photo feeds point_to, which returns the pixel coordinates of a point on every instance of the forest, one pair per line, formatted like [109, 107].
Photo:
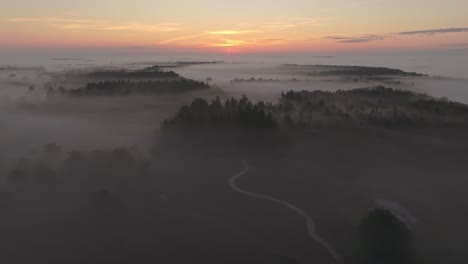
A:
[159, 186]
[379, 106]
[121, 88]
[152, 72]
[233, 112]
[339, 70]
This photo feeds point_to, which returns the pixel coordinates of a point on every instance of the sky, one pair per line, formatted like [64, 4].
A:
[236, 25]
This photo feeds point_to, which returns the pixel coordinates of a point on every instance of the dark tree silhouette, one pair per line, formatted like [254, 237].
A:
[380, 106]
[153, 72]
[238, 113]
[109, 88]
[384, 239]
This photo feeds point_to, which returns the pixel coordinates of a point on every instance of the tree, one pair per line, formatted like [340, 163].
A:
[384, 239]
[241, 113]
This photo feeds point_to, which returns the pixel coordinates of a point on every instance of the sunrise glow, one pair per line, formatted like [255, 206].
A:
[211, 26]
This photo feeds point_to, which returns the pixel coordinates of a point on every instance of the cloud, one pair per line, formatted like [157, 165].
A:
[434, 31]
[306, 21]
[53, 19]
[356, 39]
[172, 40]
[229, 43]
[135, 26]
[270, 41]
[225, 39]
[229, 32]
[74, 24]
[249, 42]
[280, 24]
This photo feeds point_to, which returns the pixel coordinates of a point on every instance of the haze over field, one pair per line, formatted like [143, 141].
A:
[233, 132]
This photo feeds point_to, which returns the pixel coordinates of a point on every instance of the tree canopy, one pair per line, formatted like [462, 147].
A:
[384, 239]
[107, 88]
[232, 112]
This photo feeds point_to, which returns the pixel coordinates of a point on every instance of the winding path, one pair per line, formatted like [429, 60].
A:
[311, 230]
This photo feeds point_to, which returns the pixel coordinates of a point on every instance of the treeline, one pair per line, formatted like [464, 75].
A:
[154, 72]
[363, 71]
[382, 93]
[109, 88]
[254, 80]
[178, 64]
[188, 63]
[233, 112]
[379, 106]
[374, 106]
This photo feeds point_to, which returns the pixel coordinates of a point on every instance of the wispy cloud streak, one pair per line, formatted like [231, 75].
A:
[230, 32]
[77, 24]
[356, 39]
[434, 31]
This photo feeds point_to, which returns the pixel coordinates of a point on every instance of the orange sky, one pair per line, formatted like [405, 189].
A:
[241, 26]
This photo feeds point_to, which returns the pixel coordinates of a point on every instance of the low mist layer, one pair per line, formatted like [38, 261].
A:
[172, 163]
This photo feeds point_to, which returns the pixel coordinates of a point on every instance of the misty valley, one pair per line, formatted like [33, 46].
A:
[231, 162]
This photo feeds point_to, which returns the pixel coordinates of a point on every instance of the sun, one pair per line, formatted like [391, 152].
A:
[231, 50]
[230, 45]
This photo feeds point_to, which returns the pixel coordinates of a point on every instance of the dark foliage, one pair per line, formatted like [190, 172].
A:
[440, 106]
[364, 71]
[233, 112]
[384, 239]
[237, 80]
[188, 63]
[108, 88]
[374, 106]
[154, 72]
[379, 106]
